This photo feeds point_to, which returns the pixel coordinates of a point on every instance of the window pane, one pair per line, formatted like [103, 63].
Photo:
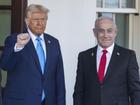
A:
[116, 3]
[5, 25]
[111, 3]
[122, 21]
[105, 14]
[128, 3]
[5, 2]
[99, 3]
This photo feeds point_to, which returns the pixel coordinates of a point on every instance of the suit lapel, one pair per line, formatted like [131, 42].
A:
[92, 62]
[32, 51]
[112, 64]
[47, 44]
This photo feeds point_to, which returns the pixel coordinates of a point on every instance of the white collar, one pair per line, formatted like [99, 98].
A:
[109, 49]
[33, 36]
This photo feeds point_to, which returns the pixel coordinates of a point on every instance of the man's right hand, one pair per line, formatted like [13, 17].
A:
[22, 40]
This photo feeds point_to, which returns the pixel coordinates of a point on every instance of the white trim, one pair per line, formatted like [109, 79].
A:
[120, 3]
[103, 3]
[114, 17]
[130, 31]
[117, 10]
[137, 5]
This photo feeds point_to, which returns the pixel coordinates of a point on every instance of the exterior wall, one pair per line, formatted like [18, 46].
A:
[71, 21]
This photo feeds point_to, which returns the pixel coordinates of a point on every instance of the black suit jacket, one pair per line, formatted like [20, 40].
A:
[121, 85]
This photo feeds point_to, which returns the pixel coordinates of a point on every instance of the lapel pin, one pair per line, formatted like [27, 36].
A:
[92, 54]
[118, 53]
[49, 41]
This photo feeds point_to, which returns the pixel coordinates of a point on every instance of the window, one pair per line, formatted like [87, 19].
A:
[5, 20]
[121, 6]
[116, 3]
[11, 18]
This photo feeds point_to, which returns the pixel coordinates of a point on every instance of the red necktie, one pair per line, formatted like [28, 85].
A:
[102, 66]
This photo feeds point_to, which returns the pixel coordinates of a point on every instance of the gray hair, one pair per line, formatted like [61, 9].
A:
[36, 8]
[104, 18]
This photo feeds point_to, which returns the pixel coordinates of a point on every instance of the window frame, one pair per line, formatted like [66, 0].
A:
[118, 10]
[17, 8]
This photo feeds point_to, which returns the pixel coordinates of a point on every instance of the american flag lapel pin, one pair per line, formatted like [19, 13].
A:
[118, 53]
[92, 54]
[49, 41]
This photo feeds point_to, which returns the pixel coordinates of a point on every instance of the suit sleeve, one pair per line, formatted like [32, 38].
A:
[60, 80]
[79, 85]
[134, 80]
[7, 60]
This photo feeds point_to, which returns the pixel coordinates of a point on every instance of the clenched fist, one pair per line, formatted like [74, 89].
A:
[22, 40]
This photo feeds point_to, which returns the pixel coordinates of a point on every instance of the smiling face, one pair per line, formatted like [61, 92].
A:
[105, 32]
[36, 22]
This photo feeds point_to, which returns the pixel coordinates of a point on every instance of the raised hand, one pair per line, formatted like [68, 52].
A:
[22, 40]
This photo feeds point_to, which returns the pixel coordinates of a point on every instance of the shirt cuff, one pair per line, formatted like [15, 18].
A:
[18, 49]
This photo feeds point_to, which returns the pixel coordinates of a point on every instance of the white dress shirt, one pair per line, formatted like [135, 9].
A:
[108, 56]
[33, 37]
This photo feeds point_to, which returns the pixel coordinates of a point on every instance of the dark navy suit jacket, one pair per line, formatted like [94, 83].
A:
[25, 81]
[121, 85]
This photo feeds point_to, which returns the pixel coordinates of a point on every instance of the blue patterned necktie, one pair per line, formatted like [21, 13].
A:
[41, 57]
[40, 53]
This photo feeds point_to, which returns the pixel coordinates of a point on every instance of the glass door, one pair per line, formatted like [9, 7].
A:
[5, 20]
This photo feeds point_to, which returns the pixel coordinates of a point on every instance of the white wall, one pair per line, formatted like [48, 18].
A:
[71, 22]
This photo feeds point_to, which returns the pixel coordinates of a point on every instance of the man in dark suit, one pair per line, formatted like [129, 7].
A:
[33, 77]
[107, 74]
